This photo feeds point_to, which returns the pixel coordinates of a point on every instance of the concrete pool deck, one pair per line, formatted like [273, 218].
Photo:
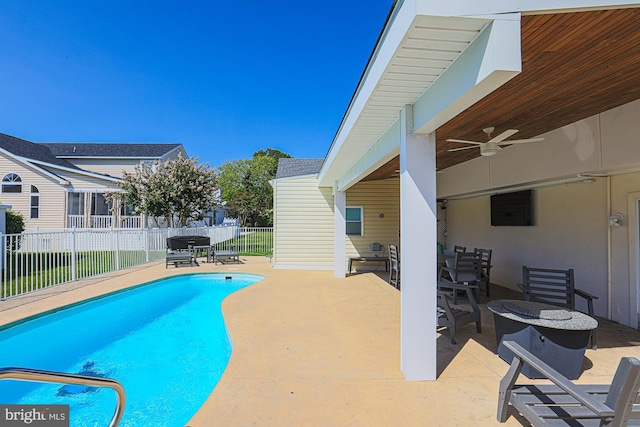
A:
[312, 350]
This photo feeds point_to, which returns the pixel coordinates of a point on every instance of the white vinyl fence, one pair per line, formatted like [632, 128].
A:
[33, 261]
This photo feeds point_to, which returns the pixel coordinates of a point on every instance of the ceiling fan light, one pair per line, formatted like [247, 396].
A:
[489, 149]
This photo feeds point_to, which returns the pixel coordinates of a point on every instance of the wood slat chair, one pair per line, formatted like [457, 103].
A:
[485, 273]
[557, 287]
[462, 276]
[394, 267]
[464, 268]
[453, 317]
[565, 403]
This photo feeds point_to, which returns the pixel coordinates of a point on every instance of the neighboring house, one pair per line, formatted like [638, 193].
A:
[111, 160]
[566, 70]
[55, 186]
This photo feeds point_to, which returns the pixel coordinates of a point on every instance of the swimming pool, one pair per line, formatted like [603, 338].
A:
[165, 341]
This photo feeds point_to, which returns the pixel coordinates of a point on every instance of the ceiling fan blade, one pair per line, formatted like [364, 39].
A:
[504, 135]
[520, 141]
[460, 149]
[465, 142]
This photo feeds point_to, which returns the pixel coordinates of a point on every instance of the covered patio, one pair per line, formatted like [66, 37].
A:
[313, 350]
[565, 72]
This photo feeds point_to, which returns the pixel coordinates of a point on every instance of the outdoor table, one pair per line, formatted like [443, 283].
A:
[197, 249]
[554, 334]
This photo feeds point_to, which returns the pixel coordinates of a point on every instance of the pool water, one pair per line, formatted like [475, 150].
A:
[165, 341]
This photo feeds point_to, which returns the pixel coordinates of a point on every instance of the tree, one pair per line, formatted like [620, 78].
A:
[246, 189]
[179, 190]
[14, 224]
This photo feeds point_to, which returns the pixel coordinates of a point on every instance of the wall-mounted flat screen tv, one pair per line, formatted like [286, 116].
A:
[512, 209]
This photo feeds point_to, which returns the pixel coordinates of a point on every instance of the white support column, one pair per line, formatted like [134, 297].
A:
[339, 232]
[418, 251]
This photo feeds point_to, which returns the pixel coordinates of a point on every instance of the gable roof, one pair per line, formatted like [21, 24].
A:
[75, 150]
[288, 167]
[32, 151]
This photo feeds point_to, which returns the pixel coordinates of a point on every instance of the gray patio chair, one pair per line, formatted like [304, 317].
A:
[453, 317]
[485, 272]
[394, 267]
[557, 287]
[568, 404]
[464, 268]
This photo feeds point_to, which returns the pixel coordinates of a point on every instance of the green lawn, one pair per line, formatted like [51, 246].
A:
[259, 243]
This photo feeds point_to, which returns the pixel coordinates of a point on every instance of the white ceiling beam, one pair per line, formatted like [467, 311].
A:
[493, 59]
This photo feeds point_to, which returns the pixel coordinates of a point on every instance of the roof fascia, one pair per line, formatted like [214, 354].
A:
[398, 22]
[77, 171]
[108, 157]
[293, 176]
[386, 148]
[28, 163]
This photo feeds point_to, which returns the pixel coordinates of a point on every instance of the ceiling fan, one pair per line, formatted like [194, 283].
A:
[492, 145]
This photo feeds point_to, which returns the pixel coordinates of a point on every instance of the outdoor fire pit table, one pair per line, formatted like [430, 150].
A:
[556, 335]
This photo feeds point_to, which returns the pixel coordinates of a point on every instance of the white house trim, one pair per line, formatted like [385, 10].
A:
[77, 171]
[415, 53]
[29, 163]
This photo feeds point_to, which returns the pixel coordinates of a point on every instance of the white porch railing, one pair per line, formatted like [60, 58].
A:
[103, 221]
[33, 261]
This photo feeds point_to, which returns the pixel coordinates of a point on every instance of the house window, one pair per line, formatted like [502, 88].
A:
[127, 209]
[354, 221]
[75, 203]
[12, 183]
[35, 202]
[99, 205]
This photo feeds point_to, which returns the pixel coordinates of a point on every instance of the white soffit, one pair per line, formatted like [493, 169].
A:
[429, 47]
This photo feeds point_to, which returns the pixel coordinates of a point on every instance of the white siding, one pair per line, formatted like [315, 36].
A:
[52, 195]
[303, 223]
[303, 220]
[569, 231]
[112, 167]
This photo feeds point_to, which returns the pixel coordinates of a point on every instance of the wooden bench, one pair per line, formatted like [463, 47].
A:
[378, 259]
[565, 403]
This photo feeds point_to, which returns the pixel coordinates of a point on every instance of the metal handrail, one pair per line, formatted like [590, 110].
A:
[37, 375]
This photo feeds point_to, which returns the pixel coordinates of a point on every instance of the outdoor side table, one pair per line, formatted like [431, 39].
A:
[558, 336]
[199, 249]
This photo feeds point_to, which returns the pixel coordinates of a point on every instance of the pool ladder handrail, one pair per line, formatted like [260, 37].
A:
[37, 375]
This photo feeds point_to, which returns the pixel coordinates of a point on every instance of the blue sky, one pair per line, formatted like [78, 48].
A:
[224, 78]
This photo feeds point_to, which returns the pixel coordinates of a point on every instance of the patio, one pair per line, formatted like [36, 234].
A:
[312, 350]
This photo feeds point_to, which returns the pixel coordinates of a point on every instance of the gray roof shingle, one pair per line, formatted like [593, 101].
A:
[72, 149]
[297, 167]
[30, 150]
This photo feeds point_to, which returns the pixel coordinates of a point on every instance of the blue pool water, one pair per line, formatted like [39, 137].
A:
[165, 341]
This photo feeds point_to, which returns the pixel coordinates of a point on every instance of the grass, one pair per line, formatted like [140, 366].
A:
[28, 272]
[259, 243]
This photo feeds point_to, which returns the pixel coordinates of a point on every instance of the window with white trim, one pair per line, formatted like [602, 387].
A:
[99, 205]
[355, 225]
[12, 183]
[35, 203]
[75, 203]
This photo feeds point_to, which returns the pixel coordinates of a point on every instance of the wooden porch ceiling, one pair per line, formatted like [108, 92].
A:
[574, 65]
